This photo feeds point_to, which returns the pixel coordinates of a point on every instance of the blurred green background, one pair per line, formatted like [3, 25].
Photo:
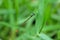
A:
[29, 19]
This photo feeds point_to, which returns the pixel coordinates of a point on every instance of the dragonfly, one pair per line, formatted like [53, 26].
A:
[29, 17]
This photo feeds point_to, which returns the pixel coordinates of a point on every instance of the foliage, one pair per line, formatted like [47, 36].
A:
[29, 19]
